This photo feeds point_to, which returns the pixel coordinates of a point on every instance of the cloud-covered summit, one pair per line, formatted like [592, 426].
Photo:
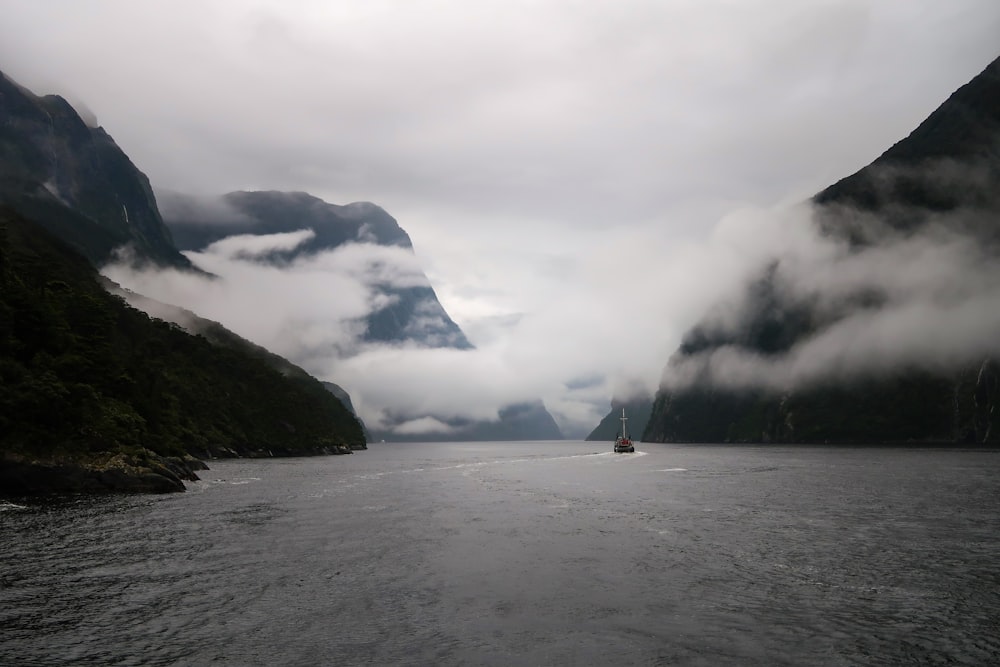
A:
[884, 287]
[339, 290]
[579, 179]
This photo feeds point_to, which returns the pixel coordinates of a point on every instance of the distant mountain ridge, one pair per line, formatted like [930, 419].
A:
[943, 178]
[411, 314]
[195, 225]
[637, 411]
[72, 179]
[527, 420]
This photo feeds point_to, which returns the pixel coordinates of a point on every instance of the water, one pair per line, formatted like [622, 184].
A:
[521, 553]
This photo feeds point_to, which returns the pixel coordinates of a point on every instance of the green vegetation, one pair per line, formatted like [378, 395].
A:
[85, 377]
[913, 407]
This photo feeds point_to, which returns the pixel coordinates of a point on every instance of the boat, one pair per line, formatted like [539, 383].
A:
[623, 443]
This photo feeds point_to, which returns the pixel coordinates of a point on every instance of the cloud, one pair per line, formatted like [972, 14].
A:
[252, 246]
[616, 306]
[579, 179]
[299, 311]
[928, 298]
[584, 112]
[86, 113]
[422, 426]
[925, 298]
[208, 209]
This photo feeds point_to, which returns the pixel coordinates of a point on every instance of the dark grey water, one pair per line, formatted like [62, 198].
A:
[521, 553]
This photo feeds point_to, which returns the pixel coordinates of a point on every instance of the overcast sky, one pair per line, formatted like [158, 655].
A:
[580, 179]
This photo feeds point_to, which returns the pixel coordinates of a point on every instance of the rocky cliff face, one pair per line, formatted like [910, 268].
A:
[75, 181]
[939, 186]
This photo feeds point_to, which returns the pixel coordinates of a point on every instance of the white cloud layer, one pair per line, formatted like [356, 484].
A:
[931, 300]
[580, 179]
[251, 246]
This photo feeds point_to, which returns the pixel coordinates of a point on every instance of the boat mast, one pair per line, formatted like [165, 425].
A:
[624, 431]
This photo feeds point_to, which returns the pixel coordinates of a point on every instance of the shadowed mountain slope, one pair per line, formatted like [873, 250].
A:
[75, 181]
[411, 313]
[935, 192]
[637, 411]
[97, 396]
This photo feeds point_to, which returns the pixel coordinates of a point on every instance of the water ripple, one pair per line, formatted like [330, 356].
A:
[520, 554]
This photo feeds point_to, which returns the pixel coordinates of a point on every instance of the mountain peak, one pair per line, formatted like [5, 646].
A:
[74, 180]
[963, 132]
[884, 340]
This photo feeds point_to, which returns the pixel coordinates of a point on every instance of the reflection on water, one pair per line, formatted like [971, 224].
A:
[512, 553]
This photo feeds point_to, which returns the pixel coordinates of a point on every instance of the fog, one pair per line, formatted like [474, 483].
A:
[926, 299]
[603, 328]
[580, 180]
[926, 295]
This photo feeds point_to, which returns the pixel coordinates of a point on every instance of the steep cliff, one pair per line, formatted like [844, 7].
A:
[75, 181]
[937, 190]
[97, 396]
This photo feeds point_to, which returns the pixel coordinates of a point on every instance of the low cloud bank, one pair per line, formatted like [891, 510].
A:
[312, 311]
[592, 321]
[926, 297]
[598, 319]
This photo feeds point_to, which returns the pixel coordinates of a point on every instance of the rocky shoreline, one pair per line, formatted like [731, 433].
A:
[122, 473]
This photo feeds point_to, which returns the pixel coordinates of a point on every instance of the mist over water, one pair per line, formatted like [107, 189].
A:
[520, 553]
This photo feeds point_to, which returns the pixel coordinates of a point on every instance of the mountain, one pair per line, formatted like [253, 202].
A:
[411, 314]
[97, 396]
[935, 191]
[345, 398]
[529, 420]
[94, 395]
[70, 177]
[218, 335]
[637, 410]
[75, 181]
[342, 396]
